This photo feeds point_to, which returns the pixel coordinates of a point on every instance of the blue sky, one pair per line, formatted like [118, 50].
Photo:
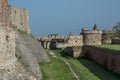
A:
[65, 16]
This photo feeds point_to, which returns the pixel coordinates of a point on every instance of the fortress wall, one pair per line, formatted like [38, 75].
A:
[75, 40]
[72, 41]
[107, 58]
[106, 36]
[106, 39]
[4, 13]
[19, 18]
[77, 51]
[73, 51]
[62, 45]
[7, 47]
[115, 41]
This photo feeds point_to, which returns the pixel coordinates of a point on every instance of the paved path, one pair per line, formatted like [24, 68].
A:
[67, 63]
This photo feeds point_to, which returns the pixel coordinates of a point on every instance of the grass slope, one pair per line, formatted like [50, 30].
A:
[84, 68]
[56, 70]
[89, 70]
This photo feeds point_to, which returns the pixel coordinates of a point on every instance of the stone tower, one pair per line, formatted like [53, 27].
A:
[92, 37]
[106, 36]
[14, 17]
[4, 13]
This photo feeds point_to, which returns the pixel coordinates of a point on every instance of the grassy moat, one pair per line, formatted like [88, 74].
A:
[84, 68]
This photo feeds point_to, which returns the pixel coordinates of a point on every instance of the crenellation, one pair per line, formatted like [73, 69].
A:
[91, 32]
[108, 31]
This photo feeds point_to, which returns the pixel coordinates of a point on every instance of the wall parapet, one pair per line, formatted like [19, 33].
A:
[91, 32]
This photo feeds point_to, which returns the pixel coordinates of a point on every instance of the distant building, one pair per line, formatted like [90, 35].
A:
[87, 37]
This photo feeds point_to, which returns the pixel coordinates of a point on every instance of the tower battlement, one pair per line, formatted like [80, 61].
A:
[91, 31]
[108, 31]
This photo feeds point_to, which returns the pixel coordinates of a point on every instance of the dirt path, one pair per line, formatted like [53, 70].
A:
[67, 63]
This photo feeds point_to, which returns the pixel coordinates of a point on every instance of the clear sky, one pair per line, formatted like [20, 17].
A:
[65, 16]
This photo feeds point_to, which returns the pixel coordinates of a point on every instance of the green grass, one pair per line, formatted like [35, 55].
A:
[56, 70]
[112, 47]
[84, 68]
[22, 32]
[89, 70]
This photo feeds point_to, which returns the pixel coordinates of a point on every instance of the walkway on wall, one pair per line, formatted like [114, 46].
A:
[67, 63]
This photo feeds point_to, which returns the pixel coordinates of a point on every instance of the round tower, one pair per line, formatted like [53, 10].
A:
[92, 37]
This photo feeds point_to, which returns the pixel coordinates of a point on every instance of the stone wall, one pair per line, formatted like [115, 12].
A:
[107, 58]
[62, 45]
[72, 41]
[74, 51]
[106, 36]
[7, 47]
[19, 18]
[20, 55]
[4, 13]
[115, 41]
[11, 16]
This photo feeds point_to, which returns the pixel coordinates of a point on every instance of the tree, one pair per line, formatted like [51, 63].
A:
[116, 28]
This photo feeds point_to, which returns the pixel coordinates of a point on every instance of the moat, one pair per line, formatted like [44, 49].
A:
[84, 68]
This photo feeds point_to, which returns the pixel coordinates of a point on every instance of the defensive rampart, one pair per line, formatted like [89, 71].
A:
[107, 58]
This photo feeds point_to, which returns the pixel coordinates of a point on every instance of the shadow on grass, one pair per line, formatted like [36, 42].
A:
[98, 70]
[65, 54]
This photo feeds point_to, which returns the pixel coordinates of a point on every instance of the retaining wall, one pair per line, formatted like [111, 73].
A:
[107, 58]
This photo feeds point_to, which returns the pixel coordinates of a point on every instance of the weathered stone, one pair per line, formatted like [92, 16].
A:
[20, 55]
[75, 51]
[7, 47]
[93, 37]
[4, 14]
[19, 18]
[115, 41]
[107, 58]
[14, 17]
